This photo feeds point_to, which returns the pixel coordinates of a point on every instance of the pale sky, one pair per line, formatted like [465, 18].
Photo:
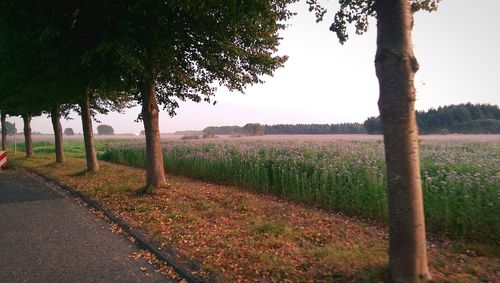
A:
[325, 82]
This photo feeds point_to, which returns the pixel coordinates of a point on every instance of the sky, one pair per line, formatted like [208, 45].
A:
[323, 81]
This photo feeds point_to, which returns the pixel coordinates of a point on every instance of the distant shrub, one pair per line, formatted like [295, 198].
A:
[253, 129]
[11, 128]
[69, 132]
[105, 130]
[209, 133]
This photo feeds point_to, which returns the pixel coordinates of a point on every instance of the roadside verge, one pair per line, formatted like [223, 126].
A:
[185, 268]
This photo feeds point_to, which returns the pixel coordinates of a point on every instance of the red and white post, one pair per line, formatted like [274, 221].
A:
[3, 159]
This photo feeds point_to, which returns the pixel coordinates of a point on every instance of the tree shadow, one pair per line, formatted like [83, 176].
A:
[83, 173]
[371, 274]
[144, 191]
[148, 190]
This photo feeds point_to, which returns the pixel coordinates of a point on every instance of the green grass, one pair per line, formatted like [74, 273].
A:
[74, 149]
[461, 180]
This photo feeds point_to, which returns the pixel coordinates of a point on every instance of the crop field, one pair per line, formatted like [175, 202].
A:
[461, 178]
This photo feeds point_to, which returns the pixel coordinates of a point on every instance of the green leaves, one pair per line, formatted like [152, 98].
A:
[358, 12]
[187, 46]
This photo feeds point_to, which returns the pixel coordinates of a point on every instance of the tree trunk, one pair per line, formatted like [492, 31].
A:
[4, 132]
[28, 142]
[155, 172]
[88, 135]
[55, 116]
[396, 66]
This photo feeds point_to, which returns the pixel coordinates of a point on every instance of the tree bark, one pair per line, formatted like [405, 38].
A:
[155, 172]
[28, 142]
[396, 66]
[55, 116]
[88, 135]
[4, 131]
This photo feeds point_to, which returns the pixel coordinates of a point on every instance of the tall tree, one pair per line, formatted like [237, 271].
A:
[28, 141]
[177, 50]
[88, 132]
[395, 66]
[55, 117]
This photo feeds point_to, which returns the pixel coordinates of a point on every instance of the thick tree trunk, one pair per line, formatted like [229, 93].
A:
[155, 172]
[55, 116]
[88, 135]
[4, 131]
[396, 66]
[28, 142]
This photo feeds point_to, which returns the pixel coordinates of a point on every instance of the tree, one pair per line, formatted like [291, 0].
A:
[209, 133]
[176, 50]
[69, 132]
[105, 130]
[55, 117]
[28, 141]
[395, 66]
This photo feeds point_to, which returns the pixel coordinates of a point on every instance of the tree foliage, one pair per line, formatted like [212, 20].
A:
[69, 132]
[358, 14]
[186, 47]
[105, 130]
[253, 129]
[11, 128]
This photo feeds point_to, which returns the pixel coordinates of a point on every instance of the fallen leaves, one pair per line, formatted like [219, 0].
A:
[152, 259]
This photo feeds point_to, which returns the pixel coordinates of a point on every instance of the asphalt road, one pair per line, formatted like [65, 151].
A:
[47, 237]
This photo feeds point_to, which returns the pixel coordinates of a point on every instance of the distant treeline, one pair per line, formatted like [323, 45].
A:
[188, 133]
[289, 129]
[463, 118]
[314, 129]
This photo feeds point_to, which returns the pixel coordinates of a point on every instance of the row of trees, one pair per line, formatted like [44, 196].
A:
[96, 56]
[101, 130]
[463, 118]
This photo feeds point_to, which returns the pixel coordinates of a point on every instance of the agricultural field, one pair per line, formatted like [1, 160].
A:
[461, 179]
[339, 173]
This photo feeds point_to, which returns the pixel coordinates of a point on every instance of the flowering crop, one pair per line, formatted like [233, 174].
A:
[461, 180]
